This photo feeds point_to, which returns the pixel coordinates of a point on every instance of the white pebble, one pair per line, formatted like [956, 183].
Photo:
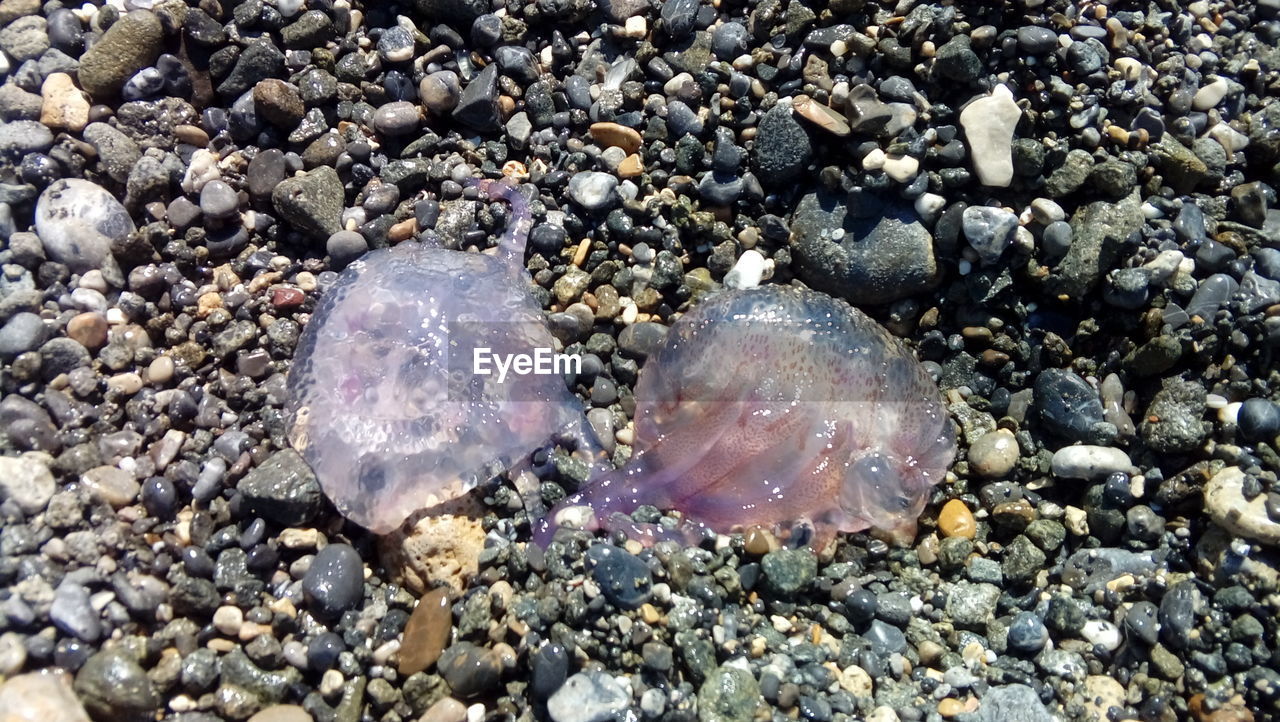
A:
[1101, 633]
[901, 168]
[747, 272]
[873, 160]
[1210, 95]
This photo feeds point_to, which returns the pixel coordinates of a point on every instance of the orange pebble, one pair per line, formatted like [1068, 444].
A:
[955, 519]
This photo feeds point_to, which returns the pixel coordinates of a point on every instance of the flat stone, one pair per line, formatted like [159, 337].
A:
[78, 221]
[1228, 508]
[312, 201]
[426, 634]
[873, 254]
[988, 124]
[1099, 230]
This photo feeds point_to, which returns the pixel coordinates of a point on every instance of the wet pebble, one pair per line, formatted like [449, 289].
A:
[335, 581]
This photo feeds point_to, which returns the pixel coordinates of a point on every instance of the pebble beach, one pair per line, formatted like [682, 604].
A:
[1067, 212]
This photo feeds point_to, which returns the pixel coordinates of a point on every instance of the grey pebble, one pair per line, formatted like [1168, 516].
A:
[335, 581]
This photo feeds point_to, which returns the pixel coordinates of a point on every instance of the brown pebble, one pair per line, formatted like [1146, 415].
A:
[950, 707]
[286, 297]
[631, 166]
[955, 519]
[191, 135]
[402, 231]
[758, 542]
[426, 633]
[614, 134]
[89, 329]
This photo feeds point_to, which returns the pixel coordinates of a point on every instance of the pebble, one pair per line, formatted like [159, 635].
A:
[989, 230]
[590, 696]
[787, 572]
[43, 696]
[955, 520]
[615, 135]
[1088, 462]
[282, 713]
[729, 694]
[988, 124]
[64, 106]
[447, 709]
[470, 670]
[1258, 420]
[426, 634]
[78, 221]
[747, 271]
[1210, 95]
[440, 91]
[335, 581]
[874, 255]
[397, 119]
[26, 38]
[782, 148]
[312, 201]
[624, 579]
[112, 485]
[1229, 508]
[132, 43]
[27, 482]
[1027, 633]
[112, 685]
[72, 612]
[23, 332]
[218, 200]
[593, 190]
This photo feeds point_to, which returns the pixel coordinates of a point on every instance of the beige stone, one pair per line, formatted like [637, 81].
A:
[440, 543]
[43, 696]
[65, 106]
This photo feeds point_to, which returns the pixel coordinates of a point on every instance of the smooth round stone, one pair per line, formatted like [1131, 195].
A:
[486, 30]
[624, 579]
[159, 497]
[1035, 40]
[218, 200]
[21, 333]
[1088, 462]
[593, 190]
[112, 685]
[1027, 633]
[729, 40]
[398, 118]
[549, 667]
[344, 247]
[470, 670]
[323, 651]
[1258, 420]
[440, 91]
[78, 221]
[1056, 239]
[335, 581]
